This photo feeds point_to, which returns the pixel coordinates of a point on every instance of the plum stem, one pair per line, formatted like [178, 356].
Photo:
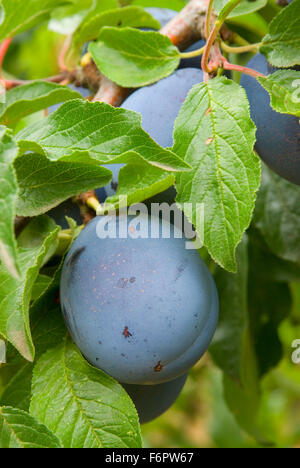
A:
[3, 50]
[241, 49]
[208, 18]
[63, 53]
[245, 70]
[194, 53]
[93, 203]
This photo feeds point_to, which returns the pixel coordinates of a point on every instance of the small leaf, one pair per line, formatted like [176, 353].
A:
[139, 182]
[20, 430]
[133, 58]
[19, 15]
[18, 391]
[8, 196]
[80, 130]
[44, 184]
[283, 87]
[245, 7]
[277, 215]
[33, 97]
[215, 135]
[132, 16]
[83, 406]
[282, 45]
[35, 243]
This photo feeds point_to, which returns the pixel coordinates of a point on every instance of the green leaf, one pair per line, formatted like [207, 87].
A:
[253, 22]
[40, 286]
[8, 196]
[171, 4]
[83, 406]
[133, 58]
[15, 294]
[139, 182]
[80, 130]
[245, 7]
[18, 391]
[229, 341]
[283, 87]
[282, 45]
[277, 215]
[132, 16]
[19, 15]
[20, 430]
[33, 97]
[44, 184]
[215, 135]
[66, 19]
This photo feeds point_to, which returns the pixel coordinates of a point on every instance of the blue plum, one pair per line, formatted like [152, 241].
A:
[67, 208]
[163, 15]
[151, 401]
[142, 308]
[278, 135]
[159, 105]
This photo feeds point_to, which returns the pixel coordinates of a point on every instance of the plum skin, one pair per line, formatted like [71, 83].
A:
[142, 310]
[151, 401]
[278, 135]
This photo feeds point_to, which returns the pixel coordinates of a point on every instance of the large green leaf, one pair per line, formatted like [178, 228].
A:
[83, 406]
[128, 16]
[215, 135]
[277, 215]
[133, 58]
[83, 131]
[44, 184]
[283, 87]
[20, 430]
[20, 15]
[171, 4]
[245, 6]
[35, 243]
[8, 196]
[33, 97]
[282, 45]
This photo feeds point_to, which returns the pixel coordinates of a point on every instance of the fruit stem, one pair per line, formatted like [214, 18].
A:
[214, 33]
[240, 50]
[3, 49]
[208, 18]
[94, 204]
[245, 70]
[194, 53]
[63, 53]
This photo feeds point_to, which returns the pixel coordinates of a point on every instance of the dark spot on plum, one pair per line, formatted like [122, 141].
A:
[126, 333]
[123, 355]
[100, 342]
[122, 283]
[159, 367]
[180, 269]
[132, 280]
[75, 257]
[97, 359]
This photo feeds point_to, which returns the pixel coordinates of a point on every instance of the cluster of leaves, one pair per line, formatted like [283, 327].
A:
[61, 400]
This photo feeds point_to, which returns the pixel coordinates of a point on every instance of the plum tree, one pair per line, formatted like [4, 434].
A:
[139, 305]
[278, 135]
[151, 401]
[159, 105]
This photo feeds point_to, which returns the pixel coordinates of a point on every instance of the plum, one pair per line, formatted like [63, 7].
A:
[278, 135]
[139, 305]
[151, 401]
